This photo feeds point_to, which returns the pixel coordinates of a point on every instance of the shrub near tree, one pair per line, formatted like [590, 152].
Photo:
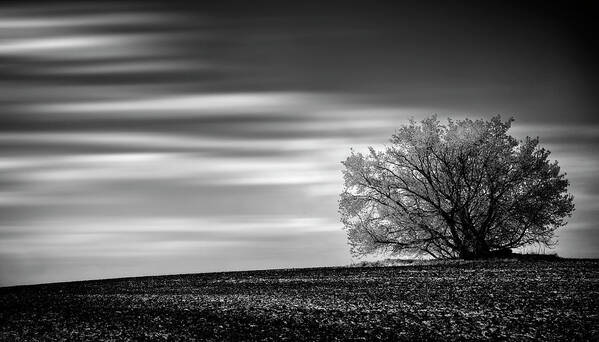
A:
[462, 189]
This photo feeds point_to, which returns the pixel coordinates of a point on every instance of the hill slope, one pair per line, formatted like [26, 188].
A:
[482, 301]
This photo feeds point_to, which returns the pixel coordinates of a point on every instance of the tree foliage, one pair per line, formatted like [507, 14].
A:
[461, 189]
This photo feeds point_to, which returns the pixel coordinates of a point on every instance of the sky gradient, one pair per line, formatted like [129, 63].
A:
[161, 139]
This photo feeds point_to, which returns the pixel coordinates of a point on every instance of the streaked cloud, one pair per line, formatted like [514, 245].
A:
[204, 104]
[22, 22]
[123, 67]
[80, 46]
[142, 139]
[198, 240]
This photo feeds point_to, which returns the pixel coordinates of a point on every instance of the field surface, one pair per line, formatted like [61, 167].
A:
[476, 301]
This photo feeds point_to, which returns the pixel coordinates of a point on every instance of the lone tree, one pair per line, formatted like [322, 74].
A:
[462, 189]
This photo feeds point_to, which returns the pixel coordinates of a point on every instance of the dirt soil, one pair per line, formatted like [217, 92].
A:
[477, 301]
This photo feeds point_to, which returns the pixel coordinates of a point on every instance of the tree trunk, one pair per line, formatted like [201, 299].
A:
[477, 250]
[481, 250]
[466, 254]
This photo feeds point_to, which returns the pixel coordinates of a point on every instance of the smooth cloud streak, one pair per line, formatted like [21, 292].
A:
[193, 105]
[156, 140]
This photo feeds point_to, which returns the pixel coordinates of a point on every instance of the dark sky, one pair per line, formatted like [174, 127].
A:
[150, 139]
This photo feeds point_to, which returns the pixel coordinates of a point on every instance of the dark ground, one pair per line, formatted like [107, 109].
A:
[480, 301]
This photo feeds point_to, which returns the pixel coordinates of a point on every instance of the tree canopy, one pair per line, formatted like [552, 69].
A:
[461, 189]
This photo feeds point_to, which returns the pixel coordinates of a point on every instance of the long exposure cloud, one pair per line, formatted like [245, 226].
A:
[152, 139]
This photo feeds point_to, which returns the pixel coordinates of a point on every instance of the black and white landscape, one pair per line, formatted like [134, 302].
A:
[170, 141]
